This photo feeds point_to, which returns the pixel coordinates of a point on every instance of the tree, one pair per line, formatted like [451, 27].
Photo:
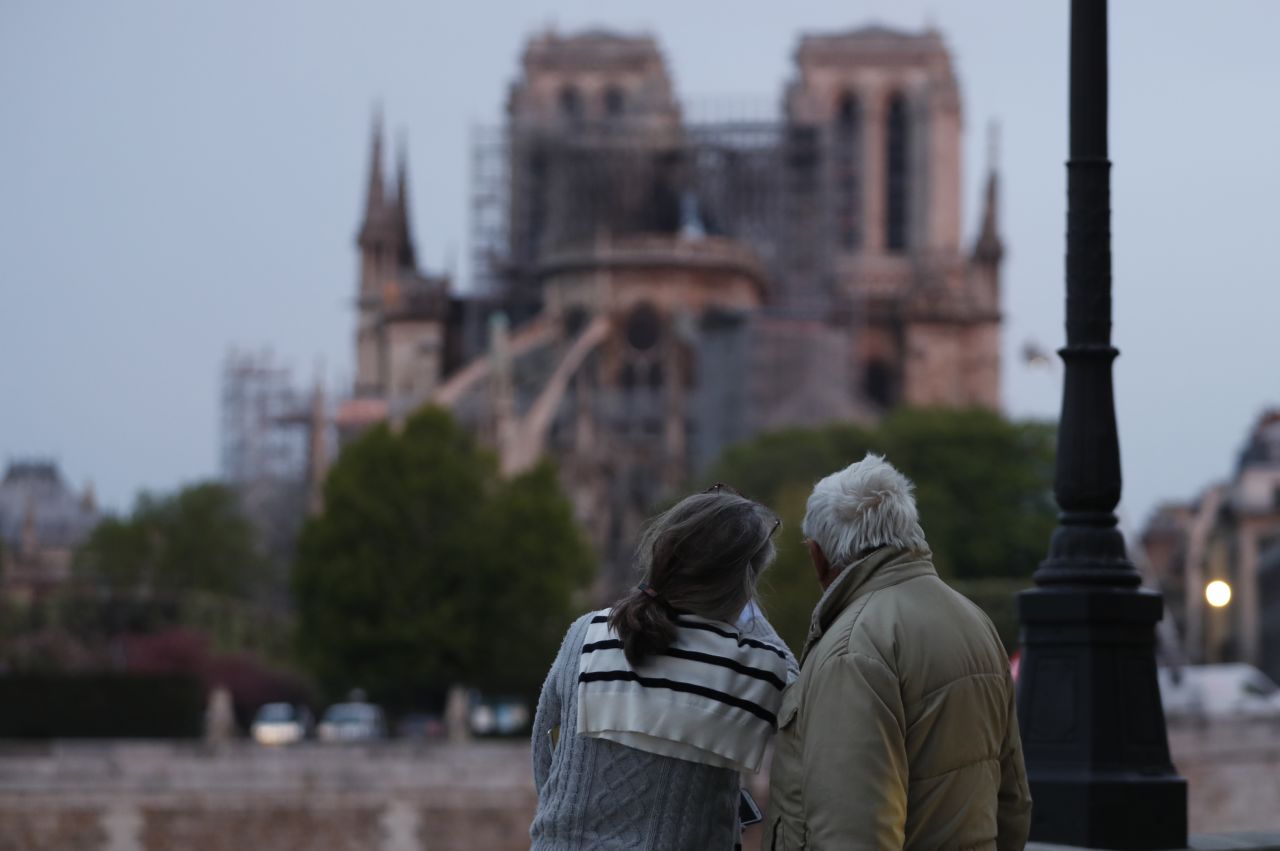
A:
[193, 540]
[534, 559]
[426, 569]
[983, 487]
[789, 589]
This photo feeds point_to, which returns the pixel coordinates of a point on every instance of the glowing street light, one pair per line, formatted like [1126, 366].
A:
[1217, 593]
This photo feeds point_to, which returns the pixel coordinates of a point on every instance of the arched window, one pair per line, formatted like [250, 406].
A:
[897, 178]
[571, 104]
[644, 327]
[615, 102]
[847, 157]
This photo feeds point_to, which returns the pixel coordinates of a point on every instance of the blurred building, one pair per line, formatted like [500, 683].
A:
[1232, 534]
[42, 521]
[651, 285]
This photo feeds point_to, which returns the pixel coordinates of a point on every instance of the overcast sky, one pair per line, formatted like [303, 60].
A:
[180, 178]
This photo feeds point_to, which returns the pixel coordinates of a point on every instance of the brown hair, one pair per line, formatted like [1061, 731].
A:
[703, 556]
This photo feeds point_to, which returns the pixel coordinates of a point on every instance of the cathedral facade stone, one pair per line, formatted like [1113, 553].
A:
[651, 286]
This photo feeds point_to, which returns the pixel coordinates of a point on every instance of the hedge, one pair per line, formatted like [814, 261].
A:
[47, 706]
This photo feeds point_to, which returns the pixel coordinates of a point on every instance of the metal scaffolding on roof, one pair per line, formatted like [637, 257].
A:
[789, 191]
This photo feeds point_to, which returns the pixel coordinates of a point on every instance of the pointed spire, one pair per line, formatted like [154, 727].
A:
[402, 171]
[375, 198]
[402, 202]
[989, 248]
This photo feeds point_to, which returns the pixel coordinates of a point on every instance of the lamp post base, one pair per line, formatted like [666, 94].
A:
[1092, 724]
[1109, 811]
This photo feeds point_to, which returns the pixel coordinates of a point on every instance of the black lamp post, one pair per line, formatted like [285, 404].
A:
[1092, 724]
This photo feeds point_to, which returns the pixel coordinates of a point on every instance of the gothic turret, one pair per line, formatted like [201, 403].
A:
[989, 249]
[384, 239]
[399, 336]
[375, 195]
[400, 212]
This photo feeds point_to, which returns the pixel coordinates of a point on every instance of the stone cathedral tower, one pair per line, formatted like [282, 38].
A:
[650, 287]
[886, 107]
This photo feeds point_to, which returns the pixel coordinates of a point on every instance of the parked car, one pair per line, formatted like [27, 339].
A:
[281, 724]
[1221, 691]
[352, 722]
[420, 725]
[498, 716]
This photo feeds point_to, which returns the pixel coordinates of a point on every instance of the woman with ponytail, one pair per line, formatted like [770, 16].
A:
[654, 706]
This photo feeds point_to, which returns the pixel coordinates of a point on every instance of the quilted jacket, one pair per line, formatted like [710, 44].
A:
[901, 731]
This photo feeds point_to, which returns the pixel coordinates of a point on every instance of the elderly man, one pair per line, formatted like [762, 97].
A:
[900, 732]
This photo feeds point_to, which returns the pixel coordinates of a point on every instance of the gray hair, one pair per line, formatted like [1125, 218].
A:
[864, 506]
[702, 556]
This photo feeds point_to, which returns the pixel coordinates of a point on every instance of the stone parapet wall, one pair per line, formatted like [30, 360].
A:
[161, 796]
[131, 796]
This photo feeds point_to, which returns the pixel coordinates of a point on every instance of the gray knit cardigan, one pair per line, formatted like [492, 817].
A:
[597, 794]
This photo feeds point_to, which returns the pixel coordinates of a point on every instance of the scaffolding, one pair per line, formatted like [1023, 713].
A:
[270, 446]
[260, 411]
[490, 181]
[789, 191]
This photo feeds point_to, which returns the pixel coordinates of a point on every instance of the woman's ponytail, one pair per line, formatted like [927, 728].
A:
[644, 623]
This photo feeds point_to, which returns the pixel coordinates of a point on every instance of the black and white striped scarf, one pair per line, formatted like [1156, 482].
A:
[711, 697]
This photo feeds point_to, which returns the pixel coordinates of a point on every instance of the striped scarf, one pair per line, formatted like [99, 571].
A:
[711, 697]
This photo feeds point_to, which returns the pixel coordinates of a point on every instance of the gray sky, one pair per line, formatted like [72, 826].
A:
[178, 178]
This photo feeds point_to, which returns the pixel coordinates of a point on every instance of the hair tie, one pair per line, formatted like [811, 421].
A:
[646, 588]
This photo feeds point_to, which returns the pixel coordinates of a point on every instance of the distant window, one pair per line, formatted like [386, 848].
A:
[847, 112]
[536, 203]
[570, 103]
[644, 326]
[276, 712]
[615, 103]
[898, 178]
[628, 377]
[878, 384]
[848, 159]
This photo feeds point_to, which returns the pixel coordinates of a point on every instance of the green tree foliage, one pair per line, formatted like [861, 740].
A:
[195, 540]
[427, 569]
[534, 559]
[983, 486]
[789, 589]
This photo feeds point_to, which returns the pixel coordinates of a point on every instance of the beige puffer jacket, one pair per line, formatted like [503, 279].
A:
[901, 731]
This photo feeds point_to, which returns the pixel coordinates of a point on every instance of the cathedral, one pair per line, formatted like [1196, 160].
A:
[650, 286]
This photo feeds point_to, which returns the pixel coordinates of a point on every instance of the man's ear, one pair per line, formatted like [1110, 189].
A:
[821, 566]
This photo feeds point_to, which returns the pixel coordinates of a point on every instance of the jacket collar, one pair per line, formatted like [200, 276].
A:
[882, 568]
